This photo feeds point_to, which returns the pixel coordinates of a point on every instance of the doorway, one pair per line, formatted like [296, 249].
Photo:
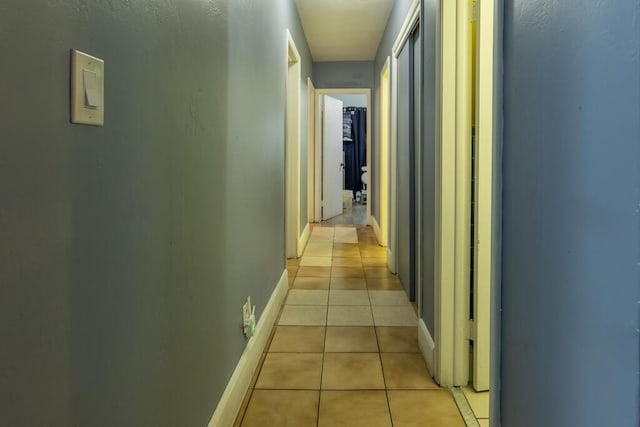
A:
[358, 97]
[468, 223]
[333, 159]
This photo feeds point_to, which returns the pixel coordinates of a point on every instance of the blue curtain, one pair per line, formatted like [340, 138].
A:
[355, 147]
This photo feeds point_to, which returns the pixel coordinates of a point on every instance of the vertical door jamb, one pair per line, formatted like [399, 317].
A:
[462, 281]
[311, 146]
[444, 294]
[485, 197]
[292, 150]
[383, 173]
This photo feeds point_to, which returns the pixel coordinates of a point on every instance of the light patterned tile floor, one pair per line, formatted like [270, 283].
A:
[394, 315]
[315, 261]
[307, 297]
[345, 348]
[355, 315]
[303, 315]
[398, 298]
[348, 297]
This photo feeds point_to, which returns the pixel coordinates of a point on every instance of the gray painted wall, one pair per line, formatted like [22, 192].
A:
[126, 250]
[394, 24]
[351, 100]
[343, 74]
[430, 32]
[571, 228]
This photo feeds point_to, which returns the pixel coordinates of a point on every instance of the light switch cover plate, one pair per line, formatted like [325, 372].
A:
[87, 94]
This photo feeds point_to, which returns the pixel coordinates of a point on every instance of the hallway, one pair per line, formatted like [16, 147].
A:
[345, 348]
[136, 245]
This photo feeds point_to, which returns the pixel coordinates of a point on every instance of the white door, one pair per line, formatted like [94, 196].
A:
[332, 161]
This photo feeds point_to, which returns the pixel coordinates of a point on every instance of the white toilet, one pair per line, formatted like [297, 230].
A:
[364, 178]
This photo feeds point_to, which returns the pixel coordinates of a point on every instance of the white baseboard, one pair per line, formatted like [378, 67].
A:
[304, 238]
[231, 400]
[427, 346]
[390, 261]
[376, 230]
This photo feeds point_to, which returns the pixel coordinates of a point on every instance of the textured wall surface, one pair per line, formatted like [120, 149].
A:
[352, 100]
[126, 250]
[571, 223]
[347, 74]
[394, 24]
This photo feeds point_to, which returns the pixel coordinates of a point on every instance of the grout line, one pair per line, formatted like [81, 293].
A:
[355, 389]
[324, 351]
[434, 390]
[386, 390]
[324, 345]
[244, 412]
[375, 331]
[465, 409]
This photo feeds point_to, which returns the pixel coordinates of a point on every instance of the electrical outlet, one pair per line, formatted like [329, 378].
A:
[248, 318]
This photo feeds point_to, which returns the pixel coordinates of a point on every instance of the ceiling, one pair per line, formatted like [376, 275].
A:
[344, 30]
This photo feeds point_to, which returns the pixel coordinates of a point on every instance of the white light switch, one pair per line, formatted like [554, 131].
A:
[90, 89]
[87, 89]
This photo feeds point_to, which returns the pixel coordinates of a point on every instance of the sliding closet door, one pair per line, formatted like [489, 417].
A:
[408, 159]
[429, 130]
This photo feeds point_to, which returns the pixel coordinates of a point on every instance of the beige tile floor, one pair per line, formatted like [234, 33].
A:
[345, 350]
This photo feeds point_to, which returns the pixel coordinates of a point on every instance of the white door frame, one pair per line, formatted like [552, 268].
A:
[462, 276]
[311, 147]
[292, 151]
[445, 162]
[485, 197]
[453, 199]
[317, 153]
[453, 175]
[382, 229]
